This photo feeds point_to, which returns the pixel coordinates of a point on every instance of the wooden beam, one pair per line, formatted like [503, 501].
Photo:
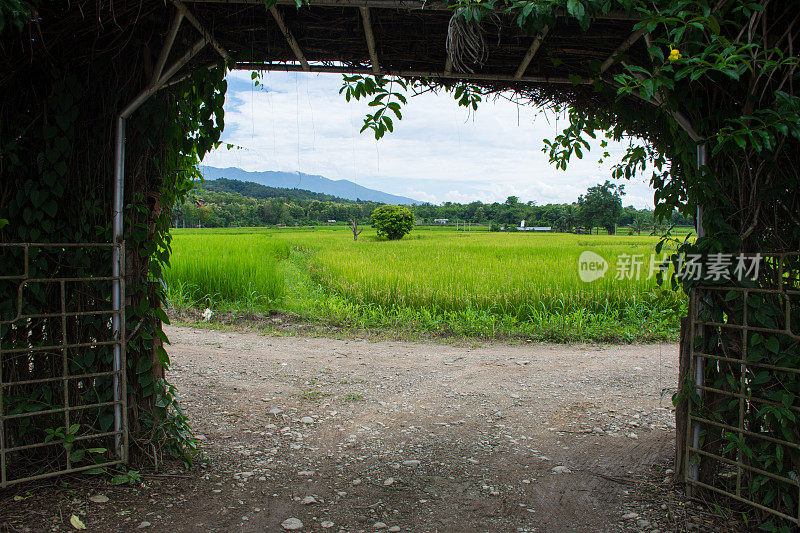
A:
[657, 101]
[621, 49]
[298, 53]
[422, 5]
[337, 69]
[373, 53]
[537, 42]
[203, 31]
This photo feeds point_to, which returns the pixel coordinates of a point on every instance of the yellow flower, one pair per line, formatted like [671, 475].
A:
[674, 54]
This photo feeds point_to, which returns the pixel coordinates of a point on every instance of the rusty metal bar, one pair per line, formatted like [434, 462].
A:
[731, 462]
[735, 423]
[750, 289]
[750, 363]
[57, 347]
[56, 245]
[746, 397]
[60, 410]
[693, 431]
[60, 472]
[56, 442]
[58, 378]
[745, 432]
[2, 423]
[65, 378]
[65, 367]
[742, 390]
[67, 314]
[745, 500]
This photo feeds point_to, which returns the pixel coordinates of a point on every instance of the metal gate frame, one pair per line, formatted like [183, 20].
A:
[163, 76]
[698, 359]
[116, 315]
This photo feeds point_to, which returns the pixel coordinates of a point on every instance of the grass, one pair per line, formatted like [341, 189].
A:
[238, 270]
[476, 284]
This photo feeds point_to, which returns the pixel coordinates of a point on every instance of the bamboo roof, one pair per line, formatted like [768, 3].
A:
[408, 38]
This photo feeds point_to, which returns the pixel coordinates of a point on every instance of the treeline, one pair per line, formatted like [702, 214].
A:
[230, 203]
[214, 209]
[256, 190]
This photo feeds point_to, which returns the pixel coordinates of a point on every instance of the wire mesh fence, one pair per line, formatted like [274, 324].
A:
[742, 438]
[62, 364]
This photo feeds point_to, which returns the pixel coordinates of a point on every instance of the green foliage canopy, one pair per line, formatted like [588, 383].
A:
[602, 206]
[392, 221]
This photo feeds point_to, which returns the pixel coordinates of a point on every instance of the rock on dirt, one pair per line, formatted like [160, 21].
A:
[292, 524]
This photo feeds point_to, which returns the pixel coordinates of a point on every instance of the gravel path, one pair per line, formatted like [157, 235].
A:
[352, 435]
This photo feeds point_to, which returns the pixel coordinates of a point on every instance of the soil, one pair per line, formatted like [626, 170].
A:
[363, 435]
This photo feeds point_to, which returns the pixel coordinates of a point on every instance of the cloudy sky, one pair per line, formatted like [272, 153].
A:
[438, 152]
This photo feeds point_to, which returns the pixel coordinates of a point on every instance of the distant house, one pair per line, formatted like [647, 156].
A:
[441, 220]
[331, 221]
[522, 227]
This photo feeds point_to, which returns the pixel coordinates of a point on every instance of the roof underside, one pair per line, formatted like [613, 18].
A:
[409, 39]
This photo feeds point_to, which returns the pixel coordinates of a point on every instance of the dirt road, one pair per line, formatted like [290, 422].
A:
[424, 436]
[354, 435]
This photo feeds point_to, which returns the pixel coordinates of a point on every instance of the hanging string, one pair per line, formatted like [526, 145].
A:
[297, 122]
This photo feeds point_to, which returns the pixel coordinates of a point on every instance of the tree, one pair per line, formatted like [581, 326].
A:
[392, 221]
[571, 214]
[601, 206]
[354, 227]
[642, 221]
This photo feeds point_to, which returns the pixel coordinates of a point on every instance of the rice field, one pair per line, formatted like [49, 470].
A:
[473, 283]
[229, 269]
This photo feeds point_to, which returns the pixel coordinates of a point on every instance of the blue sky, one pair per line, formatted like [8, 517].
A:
[438, 152]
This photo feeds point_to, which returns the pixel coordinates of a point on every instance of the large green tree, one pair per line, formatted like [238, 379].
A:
[601, 206]
[392, 221]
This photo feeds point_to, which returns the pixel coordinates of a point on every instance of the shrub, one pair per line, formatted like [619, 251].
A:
[392, 221]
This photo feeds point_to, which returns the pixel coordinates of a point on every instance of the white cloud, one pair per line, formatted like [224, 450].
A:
[438, 152]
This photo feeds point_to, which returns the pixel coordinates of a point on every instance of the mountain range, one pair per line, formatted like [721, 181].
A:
[298, 180]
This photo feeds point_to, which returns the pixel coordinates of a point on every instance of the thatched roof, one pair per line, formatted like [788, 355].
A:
[407, 38]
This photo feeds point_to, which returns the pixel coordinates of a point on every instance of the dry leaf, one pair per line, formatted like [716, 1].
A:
[76, 522]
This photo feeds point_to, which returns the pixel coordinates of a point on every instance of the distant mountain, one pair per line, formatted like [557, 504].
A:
[256, 190]
[298, 180]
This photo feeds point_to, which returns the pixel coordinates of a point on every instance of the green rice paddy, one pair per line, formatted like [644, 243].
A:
[434, 280]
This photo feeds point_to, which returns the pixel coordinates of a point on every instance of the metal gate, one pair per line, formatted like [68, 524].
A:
[62, 359]
[742, 339]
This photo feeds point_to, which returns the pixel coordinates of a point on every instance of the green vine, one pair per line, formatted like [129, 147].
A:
[56, 188]
[720, 74]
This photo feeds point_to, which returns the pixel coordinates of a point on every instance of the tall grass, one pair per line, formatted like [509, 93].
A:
[222, 270]
[508, 274]
[475, 283]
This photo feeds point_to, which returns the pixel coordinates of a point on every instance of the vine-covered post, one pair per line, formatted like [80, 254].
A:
[699, 362]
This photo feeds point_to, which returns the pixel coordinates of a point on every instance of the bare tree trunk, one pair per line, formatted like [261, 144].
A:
[354, 227]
